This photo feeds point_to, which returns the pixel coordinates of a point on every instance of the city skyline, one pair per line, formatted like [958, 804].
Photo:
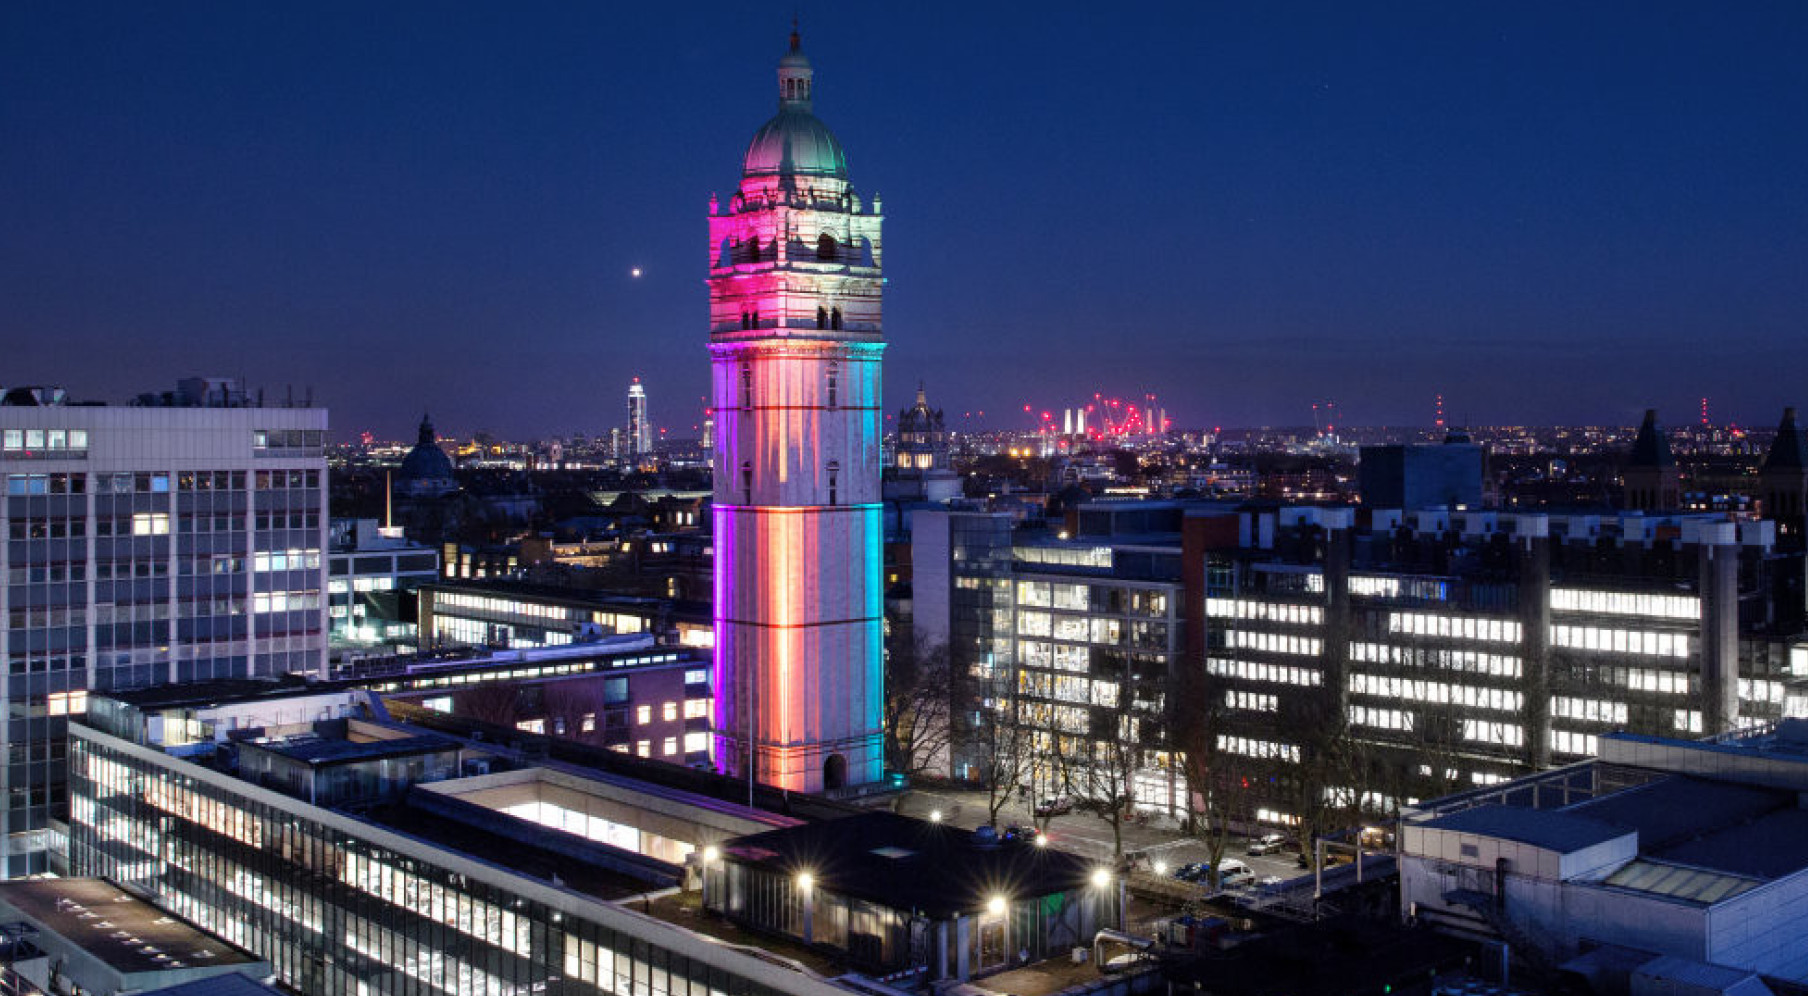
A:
[1540, 214]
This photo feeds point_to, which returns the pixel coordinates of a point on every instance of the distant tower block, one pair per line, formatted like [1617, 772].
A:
[795, 341]
[640, 431]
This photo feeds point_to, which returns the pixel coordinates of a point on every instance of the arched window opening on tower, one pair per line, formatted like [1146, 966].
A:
[834, 482]
[746, 386]
[747, 482]
[753, 250]
[826, 247]
[835, 318]
[822, 318]
[834, 386]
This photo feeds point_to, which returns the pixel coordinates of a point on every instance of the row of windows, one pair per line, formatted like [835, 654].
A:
[1455, 627]
[210, 480]
[1251, 701]
[1592, 710]
[1416, 589]
[1625, 603]
[1474, 661]
[1621, 641]
[1264, 749]
[1061, 656]
[286, 601]
[286, 560]
[1486, 731]
[1383, 719]
[1274, 643]
[46, 484]
[1573, 743]
[1438, 692]
[1284, 674]
[52, 443]
[1281, 612]
[287, 439]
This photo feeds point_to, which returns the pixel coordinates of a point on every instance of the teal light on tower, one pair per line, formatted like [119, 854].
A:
[795, 339]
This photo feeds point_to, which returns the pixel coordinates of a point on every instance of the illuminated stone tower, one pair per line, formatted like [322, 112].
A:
[794, 287]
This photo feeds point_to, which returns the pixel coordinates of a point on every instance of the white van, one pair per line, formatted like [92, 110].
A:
[1233, 874]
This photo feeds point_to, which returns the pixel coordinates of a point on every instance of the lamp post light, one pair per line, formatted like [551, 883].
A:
[1101, 881]
[807, 892]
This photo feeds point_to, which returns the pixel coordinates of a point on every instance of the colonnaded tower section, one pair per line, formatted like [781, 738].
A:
[795, 278]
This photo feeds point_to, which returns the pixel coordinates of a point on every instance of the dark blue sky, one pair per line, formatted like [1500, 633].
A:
[1547, 212]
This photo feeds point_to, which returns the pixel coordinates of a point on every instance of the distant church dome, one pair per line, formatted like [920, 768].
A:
[795, 142]
[426, 470]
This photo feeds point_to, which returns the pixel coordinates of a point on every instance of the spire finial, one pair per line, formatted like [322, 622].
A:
[796, 39]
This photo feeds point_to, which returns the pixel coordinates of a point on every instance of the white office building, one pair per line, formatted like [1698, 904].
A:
[178, 539]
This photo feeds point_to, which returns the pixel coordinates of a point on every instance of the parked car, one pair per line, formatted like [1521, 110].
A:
[1054, 805]
[1192, 872]
[1267, 843]
[1019, 833]
[1233, 874]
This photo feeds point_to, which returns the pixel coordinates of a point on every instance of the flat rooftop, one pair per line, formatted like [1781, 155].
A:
[315, 750]
[905, 863]
[128, 934]
[1552, 830]
[509, 852]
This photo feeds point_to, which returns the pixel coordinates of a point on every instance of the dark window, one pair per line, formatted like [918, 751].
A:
[826, 247]
[835, 318]
[747, 483]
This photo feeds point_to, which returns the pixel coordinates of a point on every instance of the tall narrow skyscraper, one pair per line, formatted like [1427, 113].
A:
[795, 341]
[640, 431]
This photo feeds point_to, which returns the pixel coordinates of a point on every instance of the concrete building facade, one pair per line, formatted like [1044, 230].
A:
[163, 542]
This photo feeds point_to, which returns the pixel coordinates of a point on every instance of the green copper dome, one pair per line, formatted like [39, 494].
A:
[795, 142]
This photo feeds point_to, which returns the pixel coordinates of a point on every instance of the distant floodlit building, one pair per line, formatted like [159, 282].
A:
[176, 540]
[795, 341]
[640, 431]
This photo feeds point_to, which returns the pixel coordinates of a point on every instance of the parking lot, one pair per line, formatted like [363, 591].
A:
[1160, 844]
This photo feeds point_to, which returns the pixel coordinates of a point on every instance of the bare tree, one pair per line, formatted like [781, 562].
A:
[1099, 765]
[1003, 745]
[919, 702]
[567, 704]
[492, 702]
[1216, 779]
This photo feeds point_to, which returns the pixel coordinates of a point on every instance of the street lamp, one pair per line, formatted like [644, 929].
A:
[935, 816]
[995, 906]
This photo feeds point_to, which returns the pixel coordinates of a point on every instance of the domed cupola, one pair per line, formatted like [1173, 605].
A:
[795, 142]
[426, 471]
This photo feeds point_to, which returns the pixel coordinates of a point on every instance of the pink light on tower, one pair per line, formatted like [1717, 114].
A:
[795, 279]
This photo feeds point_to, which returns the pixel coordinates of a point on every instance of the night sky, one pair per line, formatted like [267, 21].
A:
[1547, 212]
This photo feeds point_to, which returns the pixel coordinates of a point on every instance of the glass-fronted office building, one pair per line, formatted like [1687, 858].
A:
[340, 904]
